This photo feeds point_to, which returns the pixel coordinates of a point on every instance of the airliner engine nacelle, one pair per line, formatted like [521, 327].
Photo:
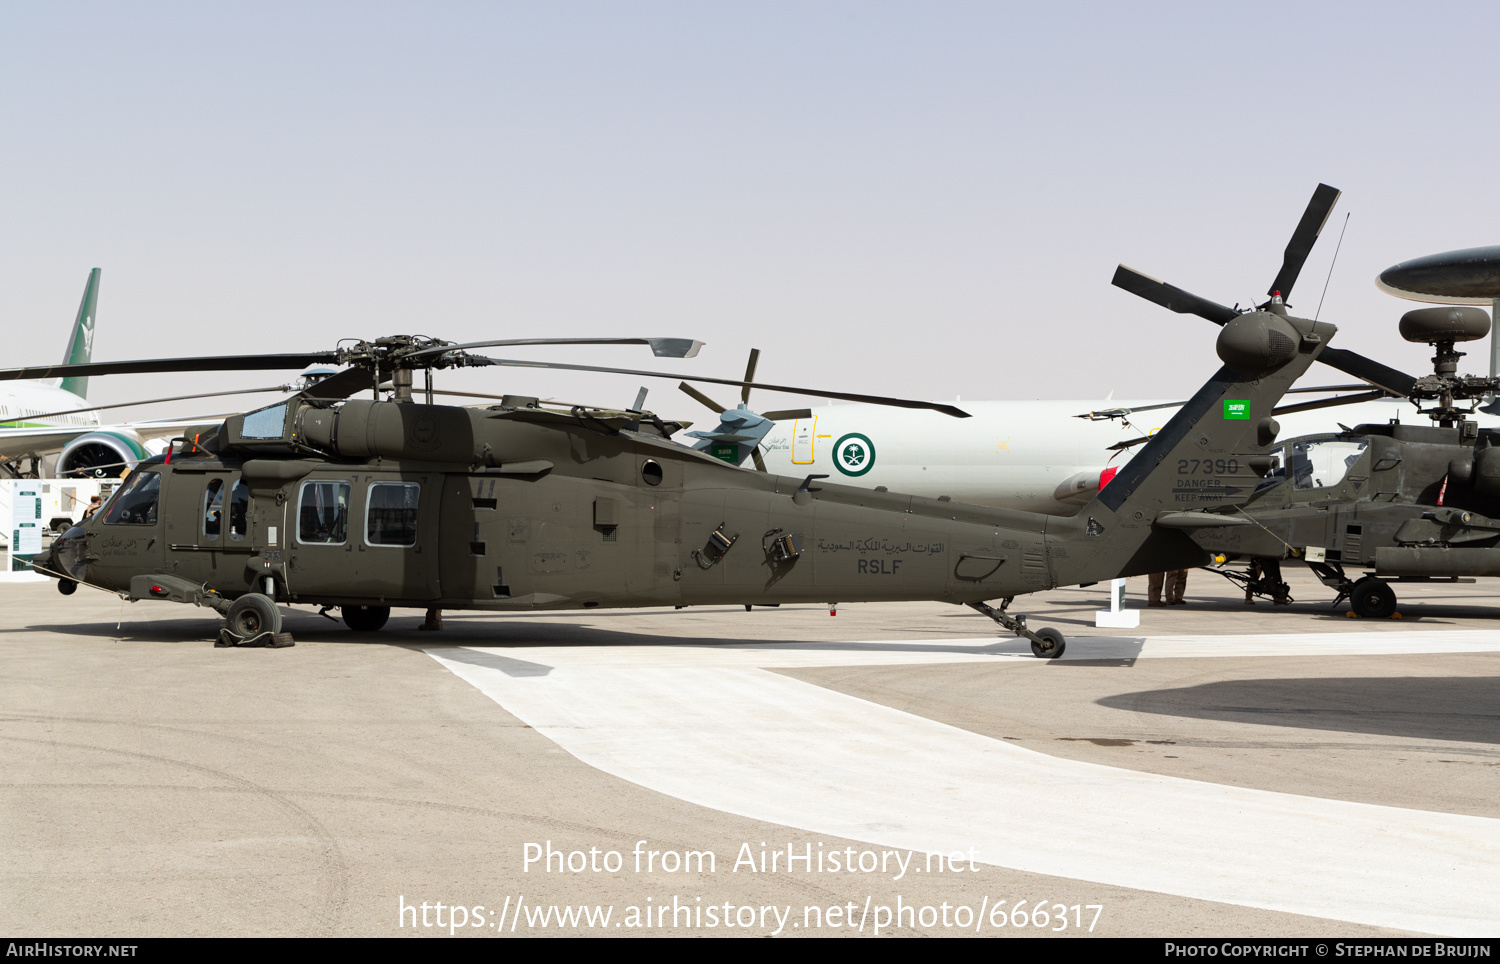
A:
[101, 455]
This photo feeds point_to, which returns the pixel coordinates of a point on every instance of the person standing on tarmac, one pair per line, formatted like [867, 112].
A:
[1175, 583]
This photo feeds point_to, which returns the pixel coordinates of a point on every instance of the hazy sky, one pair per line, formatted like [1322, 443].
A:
[925, 199]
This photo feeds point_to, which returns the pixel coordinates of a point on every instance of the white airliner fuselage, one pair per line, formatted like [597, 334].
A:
[25, 401]
[1032, 455]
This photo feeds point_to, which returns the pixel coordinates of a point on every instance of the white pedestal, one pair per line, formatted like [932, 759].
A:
[1117, 616]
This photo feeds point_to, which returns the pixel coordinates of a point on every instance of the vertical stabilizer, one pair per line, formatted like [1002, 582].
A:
[81, 345]
[1204, 458]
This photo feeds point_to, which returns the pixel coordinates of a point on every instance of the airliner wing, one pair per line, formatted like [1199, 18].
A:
[24, 443]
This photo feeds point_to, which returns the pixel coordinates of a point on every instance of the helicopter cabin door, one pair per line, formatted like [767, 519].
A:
[366, 537]
[207, 517]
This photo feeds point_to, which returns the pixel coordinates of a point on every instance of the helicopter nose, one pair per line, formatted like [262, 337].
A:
[67, 553]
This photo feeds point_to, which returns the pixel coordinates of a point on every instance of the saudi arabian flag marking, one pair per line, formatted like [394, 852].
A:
[1236, 408]
[854, 454]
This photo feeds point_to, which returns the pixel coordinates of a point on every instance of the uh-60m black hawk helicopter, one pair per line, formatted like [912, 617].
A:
[370, 504]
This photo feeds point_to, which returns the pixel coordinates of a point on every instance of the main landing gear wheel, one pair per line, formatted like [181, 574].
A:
[252, 615]
[365, 619]
[1373, 598]
[1049, 643]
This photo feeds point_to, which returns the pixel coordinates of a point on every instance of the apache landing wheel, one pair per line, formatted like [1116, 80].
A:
[67, 587]
[1051, 646]
[365, 619]
[251, 615]
[1373, 598]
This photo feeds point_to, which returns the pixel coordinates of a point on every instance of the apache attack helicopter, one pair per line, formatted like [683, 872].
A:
[368, 504]
[1412, 502]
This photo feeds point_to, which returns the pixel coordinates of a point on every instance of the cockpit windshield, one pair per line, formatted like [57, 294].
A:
[1322, 463]
[135, 504]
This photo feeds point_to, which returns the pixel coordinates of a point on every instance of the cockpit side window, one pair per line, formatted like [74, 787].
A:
[136, 503]
[213, 508]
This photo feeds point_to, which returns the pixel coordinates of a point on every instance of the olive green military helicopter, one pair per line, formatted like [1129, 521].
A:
[367, 504]
[1411, 502]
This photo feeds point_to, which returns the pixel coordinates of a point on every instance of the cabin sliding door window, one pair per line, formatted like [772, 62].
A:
[323, 514]
[391, 514]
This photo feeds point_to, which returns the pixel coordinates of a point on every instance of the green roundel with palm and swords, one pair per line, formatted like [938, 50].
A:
[854, 454]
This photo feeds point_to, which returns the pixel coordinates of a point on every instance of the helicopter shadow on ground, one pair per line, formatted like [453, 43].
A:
[1453, 708]
[1432, 614]
[508, 631]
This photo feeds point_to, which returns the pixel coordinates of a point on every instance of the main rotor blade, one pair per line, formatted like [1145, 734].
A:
[661, 347]
[209, 363]
[148, 401]
[1170, 296]
[750, 374]
[1329, 402]
[342, 385]
[703, 399]
[1367, 369]
[1301, 245]
[817, 393]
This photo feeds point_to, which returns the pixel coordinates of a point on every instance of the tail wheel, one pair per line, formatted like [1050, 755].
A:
[252, 615]
[1049, 643]
[1373, 598]
[365, 619]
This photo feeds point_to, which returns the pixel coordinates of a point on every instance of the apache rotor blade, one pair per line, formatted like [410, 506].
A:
[342, 385]
[750, 374]
[793, 390]
[1103, 413]
[1329, 402]
[1301, 245]
[661, 347]
[210, 363]
[1369, 370]
[703, 399]
[148, 401]
[787, 414]
[760, 463]
[1326, 388]
[1170, 296]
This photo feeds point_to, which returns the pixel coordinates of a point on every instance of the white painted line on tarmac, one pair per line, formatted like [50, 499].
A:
[708, 725]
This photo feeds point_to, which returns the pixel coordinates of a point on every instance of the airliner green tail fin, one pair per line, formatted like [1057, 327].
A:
[81, 345]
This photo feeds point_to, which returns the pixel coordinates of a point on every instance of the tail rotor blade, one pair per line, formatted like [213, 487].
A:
[750, 374]
[703, 399]
[787, 414]
[1171, 297]
[1303, 239]
[760, 463]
